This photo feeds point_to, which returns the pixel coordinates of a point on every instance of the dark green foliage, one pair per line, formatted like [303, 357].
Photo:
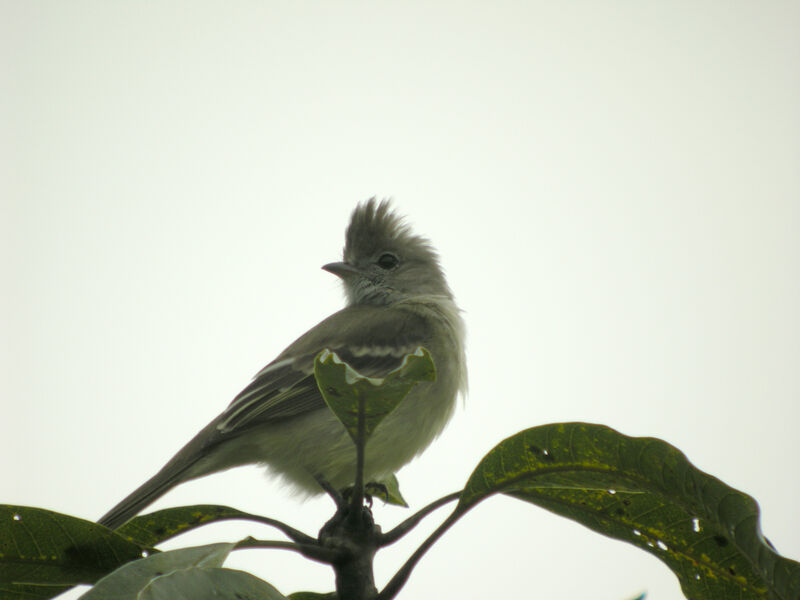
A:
[156, 527]
[640, 490]
[40, 549]
[643, 491]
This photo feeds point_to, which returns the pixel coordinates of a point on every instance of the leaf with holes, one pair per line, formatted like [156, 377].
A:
[643, 491]
[40, 549]
[344, 388]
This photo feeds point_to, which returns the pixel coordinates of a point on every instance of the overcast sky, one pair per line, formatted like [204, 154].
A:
[614, 188]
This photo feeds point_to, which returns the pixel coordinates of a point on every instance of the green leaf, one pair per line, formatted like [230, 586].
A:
[388, 490]
[204, 583]
[31, 591]
[126, 582]
[161, 525]
[343, 387]
[313, 596]
[40, 549]
[645, 492]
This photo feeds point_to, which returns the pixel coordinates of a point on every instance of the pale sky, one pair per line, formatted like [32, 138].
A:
[614, 188]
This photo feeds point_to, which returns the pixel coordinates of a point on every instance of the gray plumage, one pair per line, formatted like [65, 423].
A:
[397, 299]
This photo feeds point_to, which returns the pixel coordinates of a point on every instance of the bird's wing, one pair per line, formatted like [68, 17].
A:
[373, 340]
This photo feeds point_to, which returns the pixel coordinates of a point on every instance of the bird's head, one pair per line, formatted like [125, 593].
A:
[384, 262]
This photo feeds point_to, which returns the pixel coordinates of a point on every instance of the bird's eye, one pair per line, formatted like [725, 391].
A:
[387, 261]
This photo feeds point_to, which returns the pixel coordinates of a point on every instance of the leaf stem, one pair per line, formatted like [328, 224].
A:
[390, 537]
[397, 582]
[357, 499]
[312, 551]
[290, 532]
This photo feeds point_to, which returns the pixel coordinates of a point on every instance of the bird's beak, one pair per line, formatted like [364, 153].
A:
[341, 269]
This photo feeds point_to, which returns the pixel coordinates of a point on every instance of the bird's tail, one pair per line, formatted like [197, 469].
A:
[144, 495]
[182, 467]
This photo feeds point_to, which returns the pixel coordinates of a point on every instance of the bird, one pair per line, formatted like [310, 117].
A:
[397, 299]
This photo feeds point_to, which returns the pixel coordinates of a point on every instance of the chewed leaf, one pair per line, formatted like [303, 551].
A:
[643, 491]
[343, 387]
[46, 548]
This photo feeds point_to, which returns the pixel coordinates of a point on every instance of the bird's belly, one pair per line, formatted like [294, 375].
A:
[299, 449]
